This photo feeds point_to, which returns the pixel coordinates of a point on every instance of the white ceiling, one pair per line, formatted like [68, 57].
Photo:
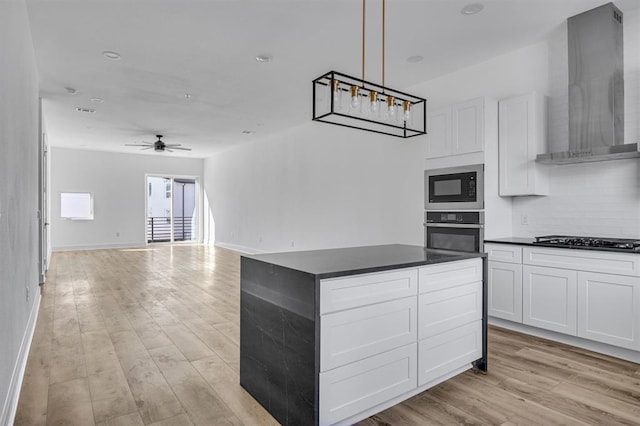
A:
[207, 48]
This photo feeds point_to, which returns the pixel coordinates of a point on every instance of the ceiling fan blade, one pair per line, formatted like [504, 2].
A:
[173, 144]
[167, 149]
[183, 149]
[146, 147]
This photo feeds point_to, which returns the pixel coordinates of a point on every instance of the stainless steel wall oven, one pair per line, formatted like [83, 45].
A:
[447, 230]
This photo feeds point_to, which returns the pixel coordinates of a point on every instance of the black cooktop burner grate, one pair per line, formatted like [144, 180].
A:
[591, 242]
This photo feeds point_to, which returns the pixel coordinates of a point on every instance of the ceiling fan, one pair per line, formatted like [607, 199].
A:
[159, 145]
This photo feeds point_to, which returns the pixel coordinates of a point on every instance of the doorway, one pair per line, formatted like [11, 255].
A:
[171, 209]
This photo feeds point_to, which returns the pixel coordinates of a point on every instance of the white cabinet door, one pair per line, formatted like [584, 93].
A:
[468, 126]
[505, 291]
[354, 334]
[439, 135]
[609, 309]
[549, 298]
[353, 388]
[444, 353]
[522, 135]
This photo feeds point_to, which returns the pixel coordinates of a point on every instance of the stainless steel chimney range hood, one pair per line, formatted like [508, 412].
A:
[596, 90]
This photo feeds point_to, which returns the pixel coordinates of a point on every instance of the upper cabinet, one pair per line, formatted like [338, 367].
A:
[457, 129]
[522, 135]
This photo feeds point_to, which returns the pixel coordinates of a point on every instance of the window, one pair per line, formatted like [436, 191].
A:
[168, 189]
[76, 205]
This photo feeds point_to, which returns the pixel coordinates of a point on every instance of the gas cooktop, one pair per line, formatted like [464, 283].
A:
[617, 244]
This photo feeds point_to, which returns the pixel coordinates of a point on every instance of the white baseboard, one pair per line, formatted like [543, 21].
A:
[236, 247]
[603, 348]
[8, 414]
[99, 246]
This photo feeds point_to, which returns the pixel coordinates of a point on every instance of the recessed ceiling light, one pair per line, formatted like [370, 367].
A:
[99, 100]
[472, 9]
[89, 110]
[71, 90]
[264, 58]
[414, 59]
[109, 54]
[188, 95]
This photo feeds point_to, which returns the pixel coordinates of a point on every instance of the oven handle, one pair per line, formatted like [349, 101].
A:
[454, 225]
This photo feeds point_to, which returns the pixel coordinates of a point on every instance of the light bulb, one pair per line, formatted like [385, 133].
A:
[373, 102]
[407, 111]
[391, 104]
[355, 97]
[337, 96]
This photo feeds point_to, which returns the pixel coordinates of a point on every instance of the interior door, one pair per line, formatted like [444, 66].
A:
[43, 202]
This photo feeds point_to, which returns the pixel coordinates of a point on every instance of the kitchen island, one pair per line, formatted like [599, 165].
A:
[334, 336]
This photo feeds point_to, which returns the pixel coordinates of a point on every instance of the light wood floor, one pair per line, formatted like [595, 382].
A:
[150, 336]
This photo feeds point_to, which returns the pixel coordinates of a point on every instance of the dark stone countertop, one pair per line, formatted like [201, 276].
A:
[512, 240]
[337, 262]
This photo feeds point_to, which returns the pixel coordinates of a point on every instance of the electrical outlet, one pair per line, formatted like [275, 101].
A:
[293, 243]
[117, 234]
[27, 291]
[524, 219]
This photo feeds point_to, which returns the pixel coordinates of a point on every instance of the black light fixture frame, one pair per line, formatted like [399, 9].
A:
[331, 115]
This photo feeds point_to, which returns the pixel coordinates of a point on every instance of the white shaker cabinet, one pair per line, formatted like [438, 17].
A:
[505, 291]
[467, 121]
[609, 309]
[505, 281]
[439, 135]
[386, 336]
[457, 129]
[549, 298]
[521, 136]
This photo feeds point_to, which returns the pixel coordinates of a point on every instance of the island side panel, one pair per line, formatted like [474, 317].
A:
[278, 340]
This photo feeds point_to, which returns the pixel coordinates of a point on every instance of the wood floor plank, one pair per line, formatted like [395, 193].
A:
[70, 404]
[150, 336]
[200, 401]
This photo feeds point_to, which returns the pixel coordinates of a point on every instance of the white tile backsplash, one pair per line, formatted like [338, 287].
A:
[589, 199]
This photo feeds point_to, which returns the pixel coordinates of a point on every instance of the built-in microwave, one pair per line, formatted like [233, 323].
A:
[454, 188]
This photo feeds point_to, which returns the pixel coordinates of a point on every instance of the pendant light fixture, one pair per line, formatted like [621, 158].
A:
[353, 102]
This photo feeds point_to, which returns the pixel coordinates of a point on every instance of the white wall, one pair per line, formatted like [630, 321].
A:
[316, 186]
[18, 200]
[117, 182]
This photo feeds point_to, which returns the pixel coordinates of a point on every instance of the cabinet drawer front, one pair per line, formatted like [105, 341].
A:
[549, 298]
[449, 351]
[450, 274]
[609, 309]
[444, 310]
[584, 260]
[360, 290]
[504, 252]
[353, 388]
[352, 335]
